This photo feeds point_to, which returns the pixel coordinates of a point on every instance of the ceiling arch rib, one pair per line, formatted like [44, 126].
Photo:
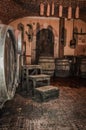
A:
[14, 9]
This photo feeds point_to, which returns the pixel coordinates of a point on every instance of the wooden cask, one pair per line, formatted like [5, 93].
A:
[47, 64]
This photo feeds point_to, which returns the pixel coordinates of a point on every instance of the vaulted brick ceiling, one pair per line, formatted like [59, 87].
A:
[13, 9]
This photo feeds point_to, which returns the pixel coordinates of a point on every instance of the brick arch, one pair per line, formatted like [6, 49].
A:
[55, 33]
[45, 42]
[44, 26]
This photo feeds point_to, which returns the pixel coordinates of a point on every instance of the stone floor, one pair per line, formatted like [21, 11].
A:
[67, 112]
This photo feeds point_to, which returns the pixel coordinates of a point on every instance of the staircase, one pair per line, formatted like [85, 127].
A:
[38, 83]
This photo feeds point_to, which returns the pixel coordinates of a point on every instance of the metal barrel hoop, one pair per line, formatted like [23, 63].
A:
[8, 63]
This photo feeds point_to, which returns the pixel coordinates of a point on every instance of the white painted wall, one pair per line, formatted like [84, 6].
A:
[54, 22]
[44, 23]
[69, 28]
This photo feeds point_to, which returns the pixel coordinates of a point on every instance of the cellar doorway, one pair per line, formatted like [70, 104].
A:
[44, 43]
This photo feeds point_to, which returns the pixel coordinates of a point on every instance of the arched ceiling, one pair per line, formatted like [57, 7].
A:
[14, 9]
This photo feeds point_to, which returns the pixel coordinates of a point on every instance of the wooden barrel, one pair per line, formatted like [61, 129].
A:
[82, 67]
[8, 64]
[73, 61]
[62, 67]
[47, 64]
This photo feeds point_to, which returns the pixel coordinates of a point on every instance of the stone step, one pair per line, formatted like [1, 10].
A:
[46, 93]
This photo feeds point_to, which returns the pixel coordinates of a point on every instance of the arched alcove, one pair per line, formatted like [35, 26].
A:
[44, 43]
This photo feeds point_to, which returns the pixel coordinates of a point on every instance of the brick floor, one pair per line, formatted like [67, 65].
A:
[67, 112]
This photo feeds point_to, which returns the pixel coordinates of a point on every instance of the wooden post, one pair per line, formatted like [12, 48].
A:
[61, 37]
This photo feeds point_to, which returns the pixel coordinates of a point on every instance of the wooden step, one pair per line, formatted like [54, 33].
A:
[30, 70]
[46, 93]
[38, 81]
